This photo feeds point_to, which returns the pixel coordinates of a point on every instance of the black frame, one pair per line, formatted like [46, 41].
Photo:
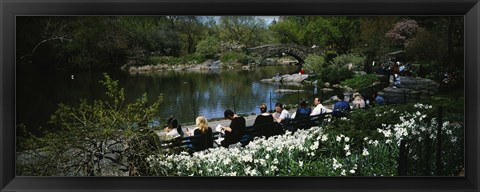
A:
[11, 8]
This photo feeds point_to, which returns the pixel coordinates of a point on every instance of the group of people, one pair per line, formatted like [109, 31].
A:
[266, 124]
[202, 135]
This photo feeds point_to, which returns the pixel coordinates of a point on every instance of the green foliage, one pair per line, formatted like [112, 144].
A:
[424, 48]
[361, 81]
[346, 59]
[315, 64]
[374, 45]
[101, 138]
[330, 55]
[335, 71]
[333, 33]
[208, 47]
[232, 57]
[242, 31]
[72, 43]
[187, 59]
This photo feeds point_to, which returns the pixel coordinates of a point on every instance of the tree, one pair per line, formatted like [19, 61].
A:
[208, 47]
[190, 31]
[373, 43]
[39, 38]
[95, 139]
[241, 31]
[403, 32]
[333, 33]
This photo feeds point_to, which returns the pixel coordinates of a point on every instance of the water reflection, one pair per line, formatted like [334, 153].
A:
[186, 94]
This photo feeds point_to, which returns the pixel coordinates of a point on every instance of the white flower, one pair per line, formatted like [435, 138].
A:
[347, 147]
[253, 172]
[339, 138]
[365, 152]
[387, 133]
[275, 161]
[300, 163]
[314, 146]
[263, 162]
[449, 132]
[365, 139]
[352, 171]
[336, 165]
[324, 138]
[347, 139]
[343, 172]
[454, 140]
[273, 168]
[389, 141]
[348, 153]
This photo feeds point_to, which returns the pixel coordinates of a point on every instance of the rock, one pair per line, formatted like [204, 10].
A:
[288, 91]
[359, 72]
[426, 86]
[411, 89]
[294, 78]
[326, 90]
[398, 95]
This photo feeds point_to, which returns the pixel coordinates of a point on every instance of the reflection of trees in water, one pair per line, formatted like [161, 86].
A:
[39, 94]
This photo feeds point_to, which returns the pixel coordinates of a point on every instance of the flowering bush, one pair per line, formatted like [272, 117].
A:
[339, 148]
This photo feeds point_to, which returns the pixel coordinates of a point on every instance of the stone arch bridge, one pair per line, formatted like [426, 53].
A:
[299, 52]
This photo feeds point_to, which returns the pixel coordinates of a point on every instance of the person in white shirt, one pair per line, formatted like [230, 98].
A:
[173, 128]
[319, 108]
[280, 113]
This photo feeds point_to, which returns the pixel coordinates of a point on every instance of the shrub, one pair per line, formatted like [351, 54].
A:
[164, 60]
[187, 59]
[314, 64]
[232, 57]
[99, 138]
[336, 70]
[361, 81]
[208, 48]
[346, 59]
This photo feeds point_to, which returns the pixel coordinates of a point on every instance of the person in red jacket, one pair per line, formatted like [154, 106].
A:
[302, 71]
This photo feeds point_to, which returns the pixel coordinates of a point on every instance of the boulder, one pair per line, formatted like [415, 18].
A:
[426, 86]
[327, 90]
[288, 91]
[411, 89]
[294, 78]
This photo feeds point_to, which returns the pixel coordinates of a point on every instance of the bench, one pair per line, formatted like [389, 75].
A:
[251, 132]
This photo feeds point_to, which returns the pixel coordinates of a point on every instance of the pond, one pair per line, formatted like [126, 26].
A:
[186, 94]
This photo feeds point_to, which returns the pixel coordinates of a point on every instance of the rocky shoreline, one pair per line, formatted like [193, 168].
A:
[207, 65]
